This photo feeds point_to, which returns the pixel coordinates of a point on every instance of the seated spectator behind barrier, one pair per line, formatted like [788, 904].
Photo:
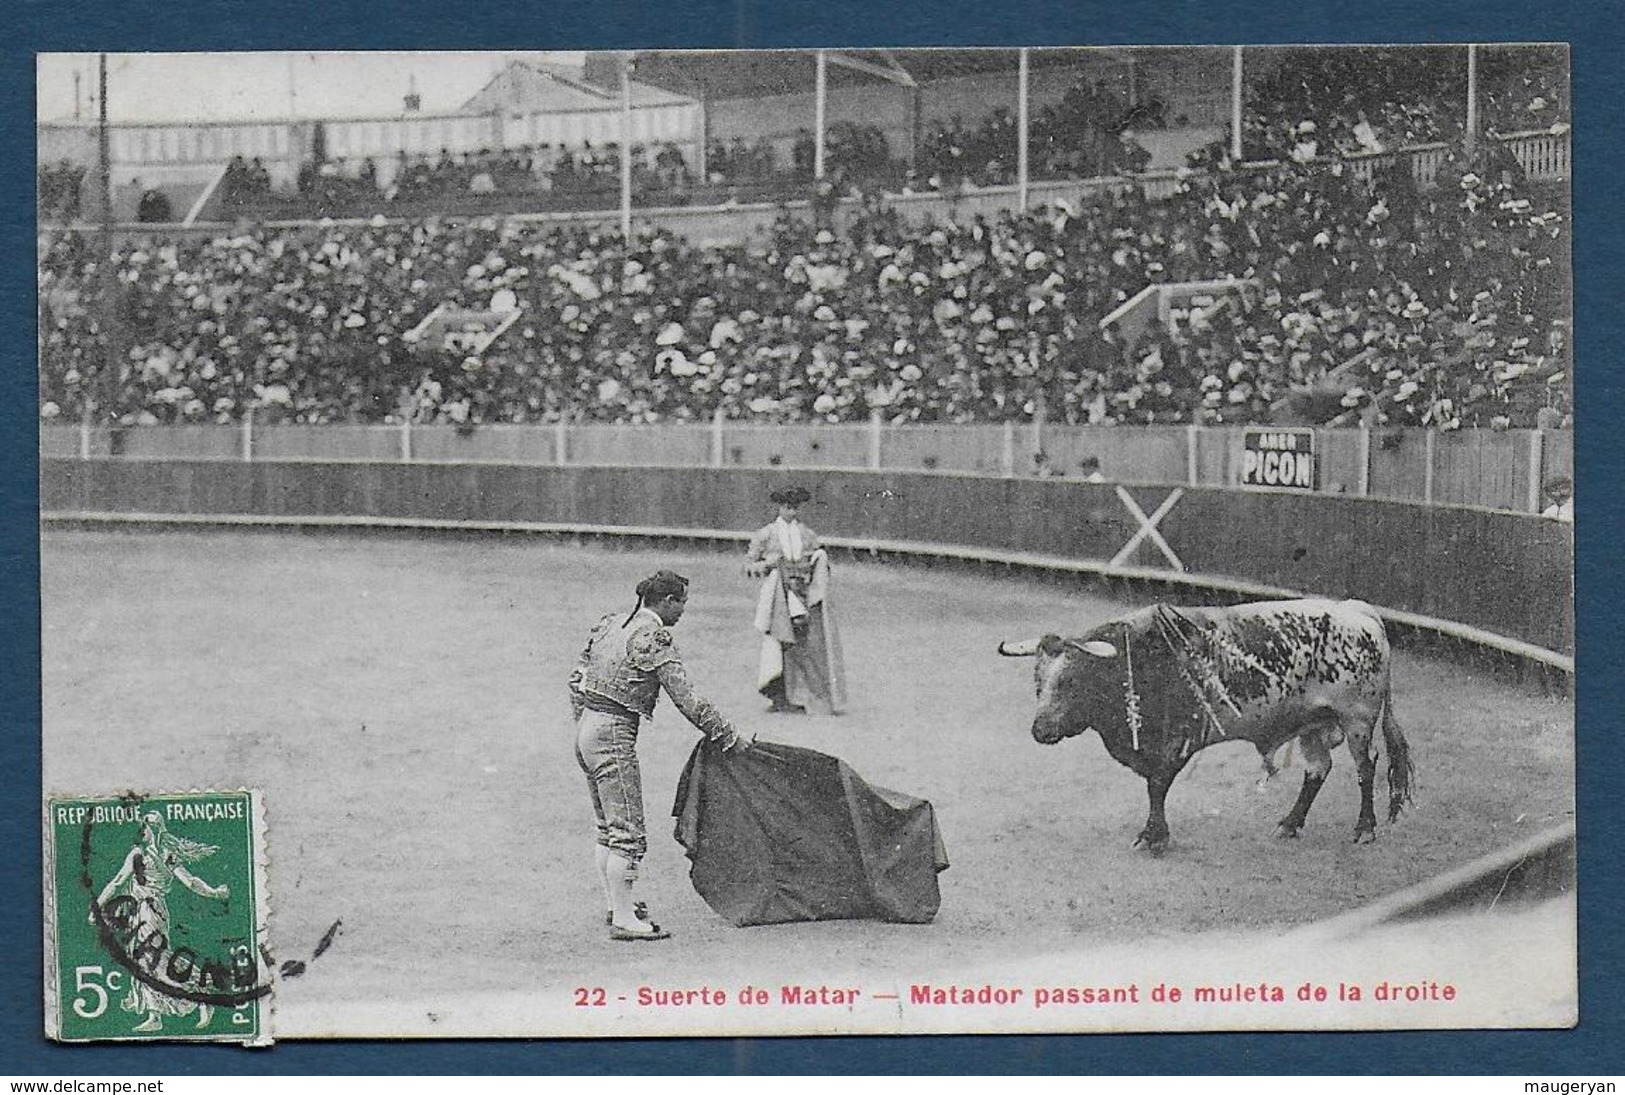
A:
[59, 189]
[1559, 493]
[153, 208]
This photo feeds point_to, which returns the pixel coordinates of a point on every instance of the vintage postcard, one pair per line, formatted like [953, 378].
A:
[807, 542]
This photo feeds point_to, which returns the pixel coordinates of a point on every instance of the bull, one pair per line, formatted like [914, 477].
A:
[1162, 683]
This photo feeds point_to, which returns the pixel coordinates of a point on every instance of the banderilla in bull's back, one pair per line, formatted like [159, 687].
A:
[1162, 683]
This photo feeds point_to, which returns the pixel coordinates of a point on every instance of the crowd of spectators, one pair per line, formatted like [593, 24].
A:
[356, 187]
[1314, 102]
[1302, 104]
[1076, 138]
[853, 152]
[1087, 134]
[1308, 104]
[1445, 307]
[750, 163]
[61, 188]
[244, 181]
[1524, 88]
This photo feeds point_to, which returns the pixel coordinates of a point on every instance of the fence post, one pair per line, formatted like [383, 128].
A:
[84, 434]
[561, 443]
[1427, 466]
[406, 440]
[1537, 469]
[875, 423]
[1364, 479]
[1040, 413]
[716, 438]
[1191, 469]
[1007, 455]
[248, 436]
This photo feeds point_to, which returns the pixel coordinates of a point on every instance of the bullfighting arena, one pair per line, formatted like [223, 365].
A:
[399, 699]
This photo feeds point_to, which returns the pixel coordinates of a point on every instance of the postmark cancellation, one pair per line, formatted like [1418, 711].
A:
[155, 918]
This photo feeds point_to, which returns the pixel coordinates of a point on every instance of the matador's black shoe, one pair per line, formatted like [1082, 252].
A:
[655, 932]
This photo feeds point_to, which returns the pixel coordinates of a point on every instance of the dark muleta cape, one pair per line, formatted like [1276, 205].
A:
[778, 834]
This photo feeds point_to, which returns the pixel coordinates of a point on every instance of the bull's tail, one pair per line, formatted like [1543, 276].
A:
[1400, 769]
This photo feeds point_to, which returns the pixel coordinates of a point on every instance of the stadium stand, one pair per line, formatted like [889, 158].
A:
[1444, 300]
[1088, 122]
[1377, 99]
[1364, 290]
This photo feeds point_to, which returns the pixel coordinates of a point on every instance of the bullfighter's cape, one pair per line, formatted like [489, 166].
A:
[778, 833]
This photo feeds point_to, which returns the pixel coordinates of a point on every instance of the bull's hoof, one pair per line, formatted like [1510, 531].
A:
[1363, 835]
[1155, 845]
[1286, 832]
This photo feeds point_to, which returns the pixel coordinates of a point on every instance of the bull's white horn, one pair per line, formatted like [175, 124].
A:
[1100, 648]
[1024, 649]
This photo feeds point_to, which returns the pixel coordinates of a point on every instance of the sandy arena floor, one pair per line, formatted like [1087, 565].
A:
[400, 702]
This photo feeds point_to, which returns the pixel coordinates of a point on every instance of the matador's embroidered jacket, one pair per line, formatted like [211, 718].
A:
[626, 663]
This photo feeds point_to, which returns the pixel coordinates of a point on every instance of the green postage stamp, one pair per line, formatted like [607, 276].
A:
[155, 918]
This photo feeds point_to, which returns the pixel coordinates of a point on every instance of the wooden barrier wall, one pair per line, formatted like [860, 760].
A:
[1505, 573]
[1491, 468]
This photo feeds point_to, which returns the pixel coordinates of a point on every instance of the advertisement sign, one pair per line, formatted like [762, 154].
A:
[1279, 458]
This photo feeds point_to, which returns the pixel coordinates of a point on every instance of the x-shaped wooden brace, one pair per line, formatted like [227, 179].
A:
[1148, 528]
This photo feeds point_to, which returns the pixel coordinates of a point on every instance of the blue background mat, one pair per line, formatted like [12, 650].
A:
[1594, 30]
